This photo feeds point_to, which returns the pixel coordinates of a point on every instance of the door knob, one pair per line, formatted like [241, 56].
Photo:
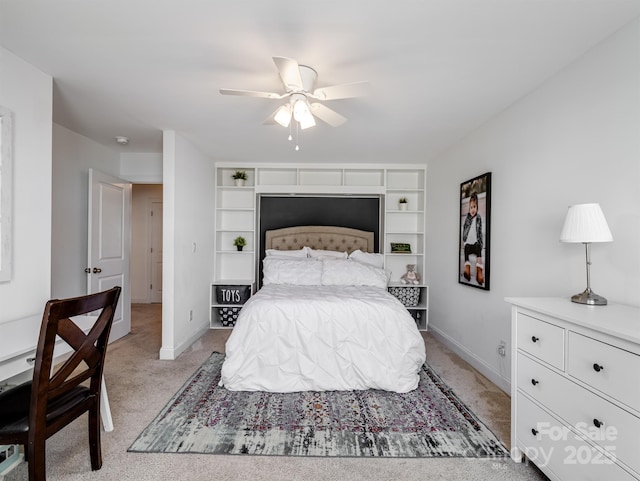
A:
[96, 270]
[87, 270]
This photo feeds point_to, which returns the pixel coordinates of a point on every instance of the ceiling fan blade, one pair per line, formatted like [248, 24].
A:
[342, 91]
[252, 93]
[327, 115]
[289, 73]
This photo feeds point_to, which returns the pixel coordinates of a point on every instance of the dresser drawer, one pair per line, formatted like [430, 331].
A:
[17, 365]
[539, 382]
[553, 447]
[618, 430]
[541, 339]
[609, 369]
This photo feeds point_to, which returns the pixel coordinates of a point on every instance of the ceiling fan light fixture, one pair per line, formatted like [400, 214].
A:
[300, 110]
[299, 84]
[283, 115]
[307, 121]
[302, 114]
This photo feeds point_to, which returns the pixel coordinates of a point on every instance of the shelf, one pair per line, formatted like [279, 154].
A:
[371, 178]
[232, 282]
[420, 312]
[230, 310]
[224, 179]
[403, 232]
[235, 211]
[402, 254]
[405, 180]
[396, 210]
[320, 189]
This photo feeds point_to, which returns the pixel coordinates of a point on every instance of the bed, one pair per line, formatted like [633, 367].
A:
[323, 319]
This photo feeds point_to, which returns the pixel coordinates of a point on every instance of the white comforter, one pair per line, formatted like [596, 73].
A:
[323, 338]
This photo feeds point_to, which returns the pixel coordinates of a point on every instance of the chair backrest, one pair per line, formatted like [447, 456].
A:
[86, 360]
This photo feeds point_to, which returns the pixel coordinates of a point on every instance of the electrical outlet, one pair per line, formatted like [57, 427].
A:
[502, 348]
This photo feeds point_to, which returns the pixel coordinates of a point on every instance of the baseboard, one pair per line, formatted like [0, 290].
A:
[472, 359]
[170, 354]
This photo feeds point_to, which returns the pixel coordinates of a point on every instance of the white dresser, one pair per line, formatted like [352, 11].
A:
[575, 388]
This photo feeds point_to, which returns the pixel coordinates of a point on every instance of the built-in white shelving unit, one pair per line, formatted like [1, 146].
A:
[236, 214]
[419, 311]
[404, 226]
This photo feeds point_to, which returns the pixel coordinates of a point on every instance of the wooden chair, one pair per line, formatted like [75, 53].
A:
[35, 410]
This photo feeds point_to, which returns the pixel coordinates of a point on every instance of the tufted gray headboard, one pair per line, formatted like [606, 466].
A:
[320, 237]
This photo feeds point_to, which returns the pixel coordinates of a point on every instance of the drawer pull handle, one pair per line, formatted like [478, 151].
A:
[534, 431]
[597, 367]
[31, 360]
[597, 423]
[535, 339]
[534, 382]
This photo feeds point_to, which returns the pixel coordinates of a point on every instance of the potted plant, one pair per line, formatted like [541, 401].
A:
[403, 203]
[240, 176]
[239, 242]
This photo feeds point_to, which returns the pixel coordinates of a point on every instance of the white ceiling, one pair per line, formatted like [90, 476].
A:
[438, 68]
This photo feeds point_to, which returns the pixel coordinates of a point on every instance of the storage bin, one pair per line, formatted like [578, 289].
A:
[408, 295]
[228, 315]
[232, 294]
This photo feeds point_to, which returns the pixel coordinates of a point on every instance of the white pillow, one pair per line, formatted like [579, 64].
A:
[299, 272]
[298, 254]
[375, 260]
[319, 253]
[351, 273]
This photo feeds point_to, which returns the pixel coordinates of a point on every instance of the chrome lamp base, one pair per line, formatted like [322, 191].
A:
[590, 298]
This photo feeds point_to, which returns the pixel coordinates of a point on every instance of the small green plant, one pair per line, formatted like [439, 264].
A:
[239, 241]
[240, 174]
[403, 200]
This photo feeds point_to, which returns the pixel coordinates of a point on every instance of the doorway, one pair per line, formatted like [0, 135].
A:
[146, 243]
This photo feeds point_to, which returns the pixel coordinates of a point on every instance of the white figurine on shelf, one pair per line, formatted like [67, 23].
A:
[411, 276]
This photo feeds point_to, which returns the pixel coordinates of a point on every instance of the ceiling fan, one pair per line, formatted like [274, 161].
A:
[299, 87]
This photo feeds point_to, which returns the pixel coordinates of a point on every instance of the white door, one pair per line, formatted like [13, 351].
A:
[156, 250]
[109, 241]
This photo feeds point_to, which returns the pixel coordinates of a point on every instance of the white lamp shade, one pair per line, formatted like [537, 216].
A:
[300, 110]
[302, 114]
[283, 115]
[585, 223]
[307, 121]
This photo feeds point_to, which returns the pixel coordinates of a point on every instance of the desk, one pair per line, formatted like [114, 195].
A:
[18, 349]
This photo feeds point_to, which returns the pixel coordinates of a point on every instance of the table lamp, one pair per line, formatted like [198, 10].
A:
[586, 223]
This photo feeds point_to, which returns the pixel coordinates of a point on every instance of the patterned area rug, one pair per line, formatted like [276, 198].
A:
[428, 422]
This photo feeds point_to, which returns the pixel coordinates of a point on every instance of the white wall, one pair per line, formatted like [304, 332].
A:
[27, 92]
[73, 156]
[189, 193]
[575, 139]
[141, 197]
[141, 167]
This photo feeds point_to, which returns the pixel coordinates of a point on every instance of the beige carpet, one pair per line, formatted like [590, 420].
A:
[140, 385]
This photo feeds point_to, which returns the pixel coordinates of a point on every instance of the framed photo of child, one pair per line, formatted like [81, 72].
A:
[474, 233]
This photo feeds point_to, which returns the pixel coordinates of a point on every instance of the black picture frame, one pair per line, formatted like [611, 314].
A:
[474, 234]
